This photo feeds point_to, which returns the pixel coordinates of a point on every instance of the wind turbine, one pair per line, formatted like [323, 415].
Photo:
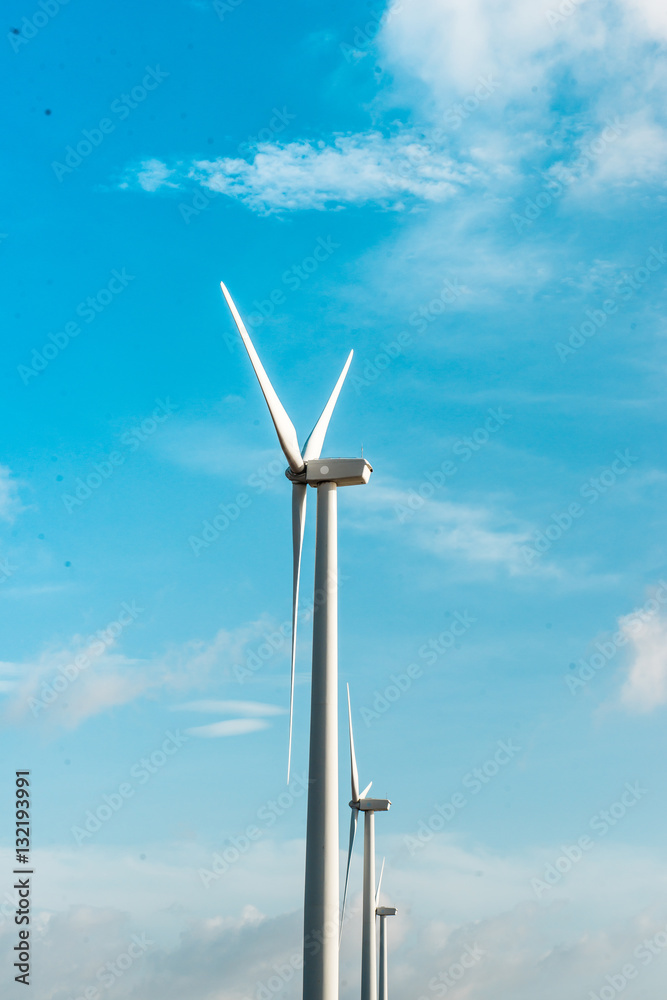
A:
[359, 803]
[306, 468]
[383, 912]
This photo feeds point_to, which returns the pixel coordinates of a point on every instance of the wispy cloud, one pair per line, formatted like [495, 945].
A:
[217, 448]
[111, 679]
[154, 174]
[526, 45]
[353, 169]
[229, 727]
[10, 502]
[252, 708]
[254, 716]
[649, 16]
[458, 65]
[625, 153]
[477, 535]
[646, 684]
[241, 946]
[68, 683]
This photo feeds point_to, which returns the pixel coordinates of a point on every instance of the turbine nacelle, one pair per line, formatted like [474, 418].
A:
[341, 471]
[383, 912]
[359, 801]
[371, 805]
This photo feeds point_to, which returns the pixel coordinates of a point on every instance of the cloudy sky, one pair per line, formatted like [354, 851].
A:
[471, 195]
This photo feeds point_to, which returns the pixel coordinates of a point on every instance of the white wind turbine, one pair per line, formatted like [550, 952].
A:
[383, 912]
[359, 803]
[321, 898]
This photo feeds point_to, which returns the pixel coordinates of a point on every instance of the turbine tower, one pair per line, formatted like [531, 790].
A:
[359, 803]
[306, 468]
[383, 912]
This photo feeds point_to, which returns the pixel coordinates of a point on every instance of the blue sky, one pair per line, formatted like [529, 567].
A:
[471, 196]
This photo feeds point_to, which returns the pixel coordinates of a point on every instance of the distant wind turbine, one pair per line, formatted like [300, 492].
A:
[383, 912]
[359, 803]
[305, 468]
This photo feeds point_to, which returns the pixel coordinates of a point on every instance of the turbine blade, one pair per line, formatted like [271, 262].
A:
[313, 446]
[353, 760]
[377, 894]
[299, 495]
[353, 830]
[284, 426]
[366, 790]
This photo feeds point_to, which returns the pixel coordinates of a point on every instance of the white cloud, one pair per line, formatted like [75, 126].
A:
[53, 690]
[646, 684]
[230, 727]
[603, 50]
[154, 174]
[222, 448]
[638, 157]
[110, 679]
[252, 708]
[525, 44]
[10, 503]
[460, 65]
[477, 535]
[623, 153]
[649, 16]
[228, 940]
[350, 170]
[449, 44]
